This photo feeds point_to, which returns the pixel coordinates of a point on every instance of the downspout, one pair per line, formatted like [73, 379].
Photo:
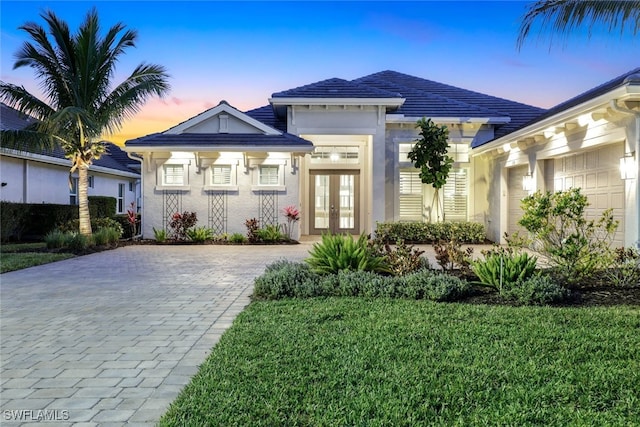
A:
[636, 149]
[141, 160]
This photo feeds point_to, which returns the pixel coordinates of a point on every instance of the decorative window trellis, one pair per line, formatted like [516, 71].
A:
[218, 211]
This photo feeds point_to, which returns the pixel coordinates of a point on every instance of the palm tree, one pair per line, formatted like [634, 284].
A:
[75, 73]
[563, 16]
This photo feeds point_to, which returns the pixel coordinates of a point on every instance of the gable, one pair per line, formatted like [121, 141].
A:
[222, 119]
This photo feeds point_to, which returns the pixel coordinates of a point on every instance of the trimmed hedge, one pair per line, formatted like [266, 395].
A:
[424, 232]
[102, 206]
[33, 220]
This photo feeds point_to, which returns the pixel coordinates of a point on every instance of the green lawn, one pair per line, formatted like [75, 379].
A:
[13, 256]
[379, 362]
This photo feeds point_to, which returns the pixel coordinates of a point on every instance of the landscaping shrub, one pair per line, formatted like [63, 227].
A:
[77, 242]
[401, 259]
[342, 252]
[433, 286]
[55, 239]
[238, 238]
[422, 232]
[539, 289]
[252, 230]
[284, 279]
[270, 234]
[102, 206]
[123, 220]
[161, 235]
[364, 283]
[106, 236]
[557, 223]
[181, 222]
[200, 234]
[97, 224]
[13, 219]
[450, 255]
[502, 268]
[625, 270]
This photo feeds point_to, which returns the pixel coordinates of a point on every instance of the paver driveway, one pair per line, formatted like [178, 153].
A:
[111, 338]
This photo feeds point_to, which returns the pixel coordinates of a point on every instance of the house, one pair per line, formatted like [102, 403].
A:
[43, 177]
[338, 150]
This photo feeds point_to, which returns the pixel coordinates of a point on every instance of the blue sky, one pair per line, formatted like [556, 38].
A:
[242, 52]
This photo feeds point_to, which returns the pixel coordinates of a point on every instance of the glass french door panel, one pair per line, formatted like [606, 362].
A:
[322, 201]
[347, 200]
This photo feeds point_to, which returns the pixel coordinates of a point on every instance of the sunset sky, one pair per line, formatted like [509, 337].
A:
[243, 52]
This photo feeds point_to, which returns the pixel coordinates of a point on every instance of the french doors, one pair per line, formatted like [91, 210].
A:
[335, 201]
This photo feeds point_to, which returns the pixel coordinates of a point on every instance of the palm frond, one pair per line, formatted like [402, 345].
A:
[562, 17]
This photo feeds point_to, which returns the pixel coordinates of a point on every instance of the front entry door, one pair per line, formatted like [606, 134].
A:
[335, 201]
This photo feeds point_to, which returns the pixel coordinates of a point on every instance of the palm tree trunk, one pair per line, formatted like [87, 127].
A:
[83, 199]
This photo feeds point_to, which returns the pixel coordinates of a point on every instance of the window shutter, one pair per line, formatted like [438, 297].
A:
[456, 194]
[411, 200]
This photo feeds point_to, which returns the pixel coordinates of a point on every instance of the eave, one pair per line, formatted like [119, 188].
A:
[389, 102]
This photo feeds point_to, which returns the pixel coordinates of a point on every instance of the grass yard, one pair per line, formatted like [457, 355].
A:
[17, 256]
[381, 362]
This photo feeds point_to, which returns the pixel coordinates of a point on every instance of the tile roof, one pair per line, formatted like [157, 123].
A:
[336, 88]
[220, 139]
[117, 159]
[267, 116]
[432, 99]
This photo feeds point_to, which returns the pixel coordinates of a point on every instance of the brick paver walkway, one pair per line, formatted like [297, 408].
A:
[111, 338]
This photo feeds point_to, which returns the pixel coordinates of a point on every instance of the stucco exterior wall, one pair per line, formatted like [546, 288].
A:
[241, 203]
[30, 181]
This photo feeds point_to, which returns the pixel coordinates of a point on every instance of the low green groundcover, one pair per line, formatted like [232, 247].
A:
[360, 361]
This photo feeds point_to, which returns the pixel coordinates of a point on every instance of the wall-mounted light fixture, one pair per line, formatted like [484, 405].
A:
[4, 184]
[527, 182]
[628, 168]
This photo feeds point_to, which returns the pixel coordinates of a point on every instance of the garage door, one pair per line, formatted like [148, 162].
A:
[597, 173]
[516, 194]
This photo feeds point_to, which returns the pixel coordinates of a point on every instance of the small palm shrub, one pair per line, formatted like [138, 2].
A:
[160, 235]
[238, 238]
[200, 234]
[502, 268]
[270, 234]
[342, 252]
[539, 289]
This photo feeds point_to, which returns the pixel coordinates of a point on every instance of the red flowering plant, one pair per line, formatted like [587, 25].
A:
[132, 219]
[292, 214]
[181, 222]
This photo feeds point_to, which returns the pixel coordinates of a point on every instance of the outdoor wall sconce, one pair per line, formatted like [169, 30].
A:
[628, 168]
[527, 182]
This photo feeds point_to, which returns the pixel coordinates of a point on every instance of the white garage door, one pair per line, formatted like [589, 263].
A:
[597, 173]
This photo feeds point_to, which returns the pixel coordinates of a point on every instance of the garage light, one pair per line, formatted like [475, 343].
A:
[628, 168]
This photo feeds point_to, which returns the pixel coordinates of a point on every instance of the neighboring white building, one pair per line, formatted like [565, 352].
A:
[337, 149]
[28, 177]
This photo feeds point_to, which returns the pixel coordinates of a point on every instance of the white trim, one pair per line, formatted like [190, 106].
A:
[391, 102]
[569, 114]
[63, 162]
[401, 118]
[217, 148]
